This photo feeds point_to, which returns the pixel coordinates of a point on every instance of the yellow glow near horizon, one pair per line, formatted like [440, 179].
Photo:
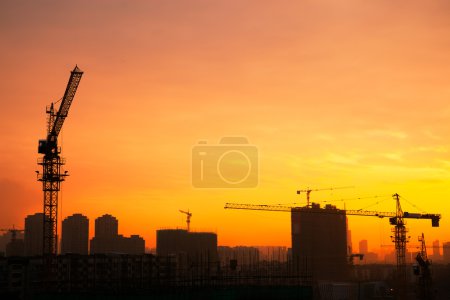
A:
[330, 93]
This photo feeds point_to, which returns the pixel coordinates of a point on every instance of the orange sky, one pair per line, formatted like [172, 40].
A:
[331, 94]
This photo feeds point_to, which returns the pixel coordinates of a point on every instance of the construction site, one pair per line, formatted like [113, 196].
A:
[229, 150]
[320, 247]
[189, 264]
[39, 262]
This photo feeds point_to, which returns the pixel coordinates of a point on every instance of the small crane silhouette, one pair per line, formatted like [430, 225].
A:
[188, 218]
[13, 232]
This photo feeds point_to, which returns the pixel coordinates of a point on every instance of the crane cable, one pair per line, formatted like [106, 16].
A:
[58, 100]
[339, 200]
[412, 204]
[60, 200]
[373, 204]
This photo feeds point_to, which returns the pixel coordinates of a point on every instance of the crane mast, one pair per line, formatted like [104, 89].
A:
[400, 239]
[423, 271]
[397, 219]
[52, 163]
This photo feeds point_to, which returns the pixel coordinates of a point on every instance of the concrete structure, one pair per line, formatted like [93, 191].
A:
[446, 252]
[107, 240]
[130, 245]
[106, 226]
[193, 248]
[233, 257]
[436, 252]
[370, 258]
[6, 238]
[319, 242]
[134, 245]
[363, 247]
[273, 253]
[34, 236]
[349, 241]
[80, 276]
[139, 276]
[15, 248]
[75, 235]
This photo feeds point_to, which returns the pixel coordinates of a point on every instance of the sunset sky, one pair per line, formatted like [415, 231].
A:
[331, 93]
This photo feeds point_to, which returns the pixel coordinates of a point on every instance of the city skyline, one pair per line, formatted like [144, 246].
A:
[332, 101]
[378, 254]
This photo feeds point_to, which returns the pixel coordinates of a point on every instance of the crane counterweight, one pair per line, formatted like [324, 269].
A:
[397, 219]
[51, 176]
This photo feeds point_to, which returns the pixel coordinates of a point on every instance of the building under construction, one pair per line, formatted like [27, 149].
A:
[319, 238]
[319, 241]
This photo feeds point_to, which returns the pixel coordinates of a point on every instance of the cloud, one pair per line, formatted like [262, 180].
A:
[388, 133]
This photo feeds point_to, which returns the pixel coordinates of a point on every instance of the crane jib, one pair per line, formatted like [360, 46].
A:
[52, 164]
[69, 94]
[435, 218]
[56, 121]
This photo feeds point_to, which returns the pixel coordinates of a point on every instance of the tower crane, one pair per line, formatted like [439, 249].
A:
[423, 271]
[51, 162]
[188, 218]
[397, 219]
[308, 191]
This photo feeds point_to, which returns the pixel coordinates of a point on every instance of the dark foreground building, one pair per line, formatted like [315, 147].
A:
[24, 277]
[145, 276]
[319, 242]
[239, 257]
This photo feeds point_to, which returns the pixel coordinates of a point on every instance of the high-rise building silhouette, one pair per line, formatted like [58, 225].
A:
[34, 236]
[191, 247]
[75, 234]
[436, 252]
[106, 235]
[108, 240]
[349, 241]
[446, 252]
[369, 257]
[363, 247]
[319, 242]
[106, 226]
